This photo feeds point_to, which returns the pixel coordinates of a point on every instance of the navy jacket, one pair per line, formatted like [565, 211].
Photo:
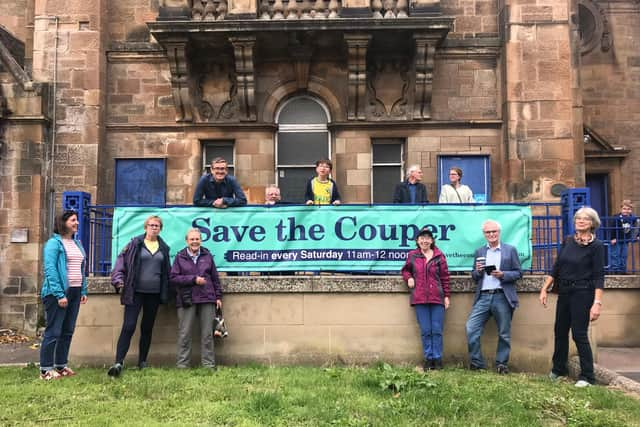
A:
[509, 265]
[208, 190]
[402, 194]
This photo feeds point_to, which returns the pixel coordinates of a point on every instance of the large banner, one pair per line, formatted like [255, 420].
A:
[329, 238]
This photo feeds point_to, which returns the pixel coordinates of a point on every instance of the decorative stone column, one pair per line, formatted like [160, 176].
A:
[357, 46]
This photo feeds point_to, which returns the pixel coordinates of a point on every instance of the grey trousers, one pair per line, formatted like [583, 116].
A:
[186, 318]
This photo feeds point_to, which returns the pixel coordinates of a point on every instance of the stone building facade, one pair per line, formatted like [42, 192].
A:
[84, 84]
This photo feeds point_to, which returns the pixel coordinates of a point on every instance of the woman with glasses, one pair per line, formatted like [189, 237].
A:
[63, 290]
[455, 192]
[578, 274]
[427, 276]
[141, 275]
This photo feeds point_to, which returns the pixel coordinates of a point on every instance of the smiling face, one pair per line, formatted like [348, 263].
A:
[194, 240]
[219, 171]
[626, 210]
[491, 232]
[71, 225]
[424, 242]
[583, 223]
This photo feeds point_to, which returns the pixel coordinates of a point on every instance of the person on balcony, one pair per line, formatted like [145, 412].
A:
[578, 274]
[219, 189]
[321, 189]
[623, 232]
[63, 290]
[198, 294]
[496, 271]
[427, 276]
[141, 275]
[411, 190]
[455, 191]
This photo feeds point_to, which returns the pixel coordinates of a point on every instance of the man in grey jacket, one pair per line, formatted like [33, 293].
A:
[496, 270]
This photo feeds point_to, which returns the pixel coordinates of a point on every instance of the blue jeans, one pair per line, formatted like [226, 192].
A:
[431, 320]
[488, 305]
[61, 322]
[619, 257]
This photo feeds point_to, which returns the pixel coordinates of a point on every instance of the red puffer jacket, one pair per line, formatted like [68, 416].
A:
[432, 278]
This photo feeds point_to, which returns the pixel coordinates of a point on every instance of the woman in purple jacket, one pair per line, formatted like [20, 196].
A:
[198, 293]
[427, 275]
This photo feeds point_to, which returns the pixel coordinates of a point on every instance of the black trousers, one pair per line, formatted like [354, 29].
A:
[149, 304]
[572, 312]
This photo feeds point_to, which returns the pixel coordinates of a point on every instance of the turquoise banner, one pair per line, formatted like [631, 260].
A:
[329, 238]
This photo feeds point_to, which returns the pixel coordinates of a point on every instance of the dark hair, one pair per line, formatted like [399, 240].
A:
[60, 226]
[326, 161]
[218, 160]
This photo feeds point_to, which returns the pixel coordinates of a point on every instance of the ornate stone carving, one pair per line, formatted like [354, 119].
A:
[388, 83]
[243, 48]
[357, 46]
[179, 67]
[424, 59]
[216, 93]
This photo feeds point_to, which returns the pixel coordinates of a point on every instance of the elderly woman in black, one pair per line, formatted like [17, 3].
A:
[579, 275]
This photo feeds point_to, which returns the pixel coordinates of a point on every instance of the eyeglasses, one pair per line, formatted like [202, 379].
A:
[153, 225]
[583, 218]
[491, 231]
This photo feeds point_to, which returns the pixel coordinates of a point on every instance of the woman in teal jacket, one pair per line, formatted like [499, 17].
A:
[63, 290]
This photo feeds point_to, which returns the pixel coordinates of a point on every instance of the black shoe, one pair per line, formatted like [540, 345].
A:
[475, 368]
[437, 364]
[427, 365]
[142, 365]
[115, 370]
[502, 369]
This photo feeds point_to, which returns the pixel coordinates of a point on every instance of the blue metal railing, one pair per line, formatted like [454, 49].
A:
[546, 237]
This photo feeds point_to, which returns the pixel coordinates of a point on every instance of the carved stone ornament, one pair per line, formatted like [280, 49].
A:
[424, 60]
[216, 92]
[388, 83]
[179, 67]
[357, 47]
[243, 49]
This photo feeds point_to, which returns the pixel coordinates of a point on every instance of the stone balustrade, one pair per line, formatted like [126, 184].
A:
[209, 10]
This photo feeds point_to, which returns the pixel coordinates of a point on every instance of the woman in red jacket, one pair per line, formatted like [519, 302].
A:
[427, 275]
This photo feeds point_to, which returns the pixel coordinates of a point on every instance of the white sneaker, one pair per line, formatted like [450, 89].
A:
[582, 383]
[553, 376]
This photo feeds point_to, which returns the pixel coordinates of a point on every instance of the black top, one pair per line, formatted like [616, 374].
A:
[402, 193]
[579, 263]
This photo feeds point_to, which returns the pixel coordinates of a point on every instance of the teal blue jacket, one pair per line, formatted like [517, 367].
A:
[55, 268]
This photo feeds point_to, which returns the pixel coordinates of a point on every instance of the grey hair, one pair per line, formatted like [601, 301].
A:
[411, 169]
[491, 221]
[591, 213]
[268, 187]
[192, 230]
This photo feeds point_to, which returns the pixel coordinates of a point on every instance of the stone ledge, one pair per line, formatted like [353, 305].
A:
[354, 284]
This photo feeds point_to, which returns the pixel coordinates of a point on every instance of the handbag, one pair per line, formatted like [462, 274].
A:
[219, 325]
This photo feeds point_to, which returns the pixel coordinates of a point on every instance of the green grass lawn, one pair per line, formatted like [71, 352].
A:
[303, 396]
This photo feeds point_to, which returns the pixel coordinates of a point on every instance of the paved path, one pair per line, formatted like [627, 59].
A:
[623, 360]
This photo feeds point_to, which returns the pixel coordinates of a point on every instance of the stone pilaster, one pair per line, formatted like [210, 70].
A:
[542, 108]
[357, 46]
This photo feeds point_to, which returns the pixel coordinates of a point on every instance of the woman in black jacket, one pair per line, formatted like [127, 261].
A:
[579, 275]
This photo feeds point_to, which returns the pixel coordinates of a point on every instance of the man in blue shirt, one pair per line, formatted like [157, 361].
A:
[496, 270]
[218, 188]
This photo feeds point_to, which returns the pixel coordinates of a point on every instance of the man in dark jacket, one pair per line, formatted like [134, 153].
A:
[218, 188]
[496, 270]
[411, 190]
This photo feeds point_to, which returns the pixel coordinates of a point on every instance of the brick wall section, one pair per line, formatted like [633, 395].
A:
[542, 127]
[611, 90]
[473, 18]
[13, 17]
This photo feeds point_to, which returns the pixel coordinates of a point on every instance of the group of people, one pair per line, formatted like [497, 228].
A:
[218, 189]
[144, 276]
[578, 275]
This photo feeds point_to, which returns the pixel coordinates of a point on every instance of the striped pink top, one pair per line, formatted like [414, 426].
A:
[74, 262]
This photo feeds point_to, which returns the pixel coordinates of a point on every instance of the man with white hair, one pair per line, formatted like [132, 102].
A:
[411, 190]
[496, 270]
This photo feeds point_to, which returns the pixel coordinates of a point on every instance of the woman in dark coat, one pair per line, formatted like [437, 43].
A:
[579, 275]
[427, 276]
[195, 278]
[141, 275]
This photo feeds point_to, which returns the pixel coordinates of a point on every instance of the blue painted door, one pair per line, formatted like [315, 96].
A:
[476, 173]
[598, 184]
[140, 182]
